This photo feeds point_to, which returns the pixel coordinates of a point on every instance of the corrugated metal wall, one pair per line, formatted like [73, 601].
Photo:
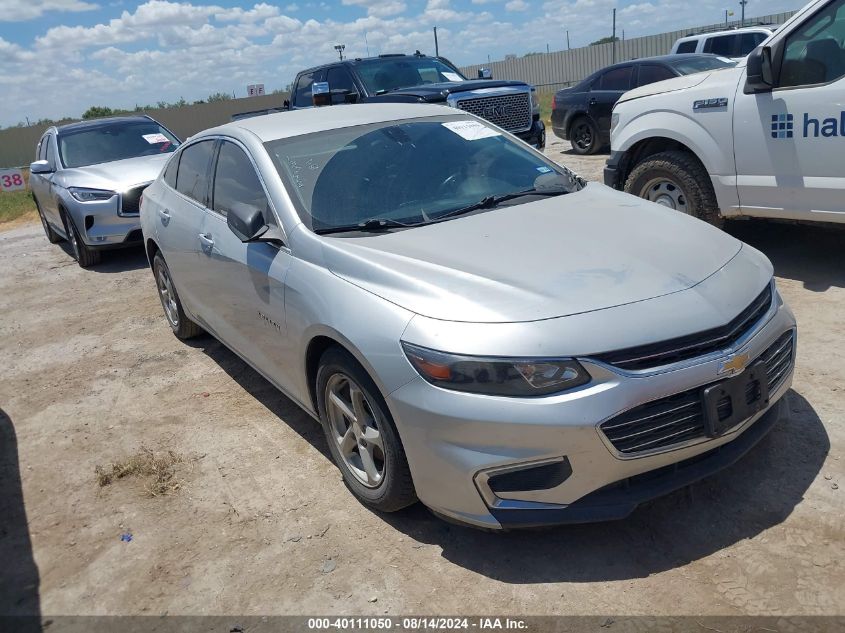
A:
[552, 71]
[17, 145]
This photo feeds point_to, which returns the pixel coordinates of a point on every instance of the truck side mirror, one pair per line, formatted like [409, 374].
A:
[485, 73]
[320, 93]
[286, 104]
[759, 72]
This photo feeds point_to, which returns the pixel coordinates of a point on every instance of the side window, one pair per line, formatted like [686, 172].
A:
[50, 153]
[340, 79]
[749, 41]
[721, 45]
[170, 171]
[814, 54]
[41, 152]
[192, 174]
[687, 47]
[617, 79]
[302, 94]
[649, 73]
[236, 183]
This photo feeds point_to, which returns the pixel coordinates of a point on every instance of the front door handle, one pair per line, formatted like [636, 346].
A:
[164, 214]
[206, 239]
[593, 101]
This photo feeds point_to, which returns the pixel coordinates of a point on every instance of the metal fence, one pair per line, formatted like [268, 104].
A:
[17, 145]
[552, 71]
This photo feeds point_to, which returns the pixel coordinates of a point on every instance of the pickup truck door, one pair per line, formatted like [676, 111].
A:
[789, 142]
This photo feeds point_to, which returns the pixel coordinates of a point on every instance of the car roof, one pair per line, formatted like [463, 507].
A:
[105, 122]
[666, 59]
[745, 29]
[271, 127]
[358, 60]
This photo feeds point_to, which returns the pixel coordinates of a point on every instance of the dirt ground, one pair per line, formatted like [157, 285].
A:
[261, 523]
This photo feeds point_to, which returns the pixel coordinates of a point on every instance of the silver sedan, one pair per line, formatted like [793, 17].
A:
[473, 325]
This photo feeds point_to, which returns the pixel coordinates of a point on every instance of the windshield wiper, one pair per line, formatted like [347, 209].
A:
[371, 225]
[489, 202]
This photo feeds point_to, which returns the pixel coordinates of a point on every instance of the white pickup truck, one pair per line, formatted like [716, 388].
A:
[765, 138]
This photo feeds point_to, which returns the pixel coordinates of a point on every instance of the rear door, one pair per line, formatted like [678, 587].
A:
[604, 94]
[243, 283]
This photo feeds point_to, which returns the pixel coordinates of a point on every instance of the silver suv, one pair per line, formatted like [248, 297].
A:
[88, 177]
[472, 324]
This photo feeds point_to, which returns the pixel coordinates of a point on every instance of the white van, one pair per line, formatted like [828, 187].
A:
[762, 139]
[735, 43]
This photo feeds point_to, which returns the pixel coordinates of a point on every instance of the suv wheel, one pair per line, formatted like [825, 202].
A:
[52, 236]
[85, 256]
[362, 438]
[181, 325]
[584, 136]
[677, 180]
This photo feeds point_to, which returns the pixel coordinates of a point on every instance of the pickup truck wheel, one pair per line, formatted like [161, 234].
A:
[584, 136]
[85, 257]
[52, 236]
[362, 439]
[676, 180]
[181, 325]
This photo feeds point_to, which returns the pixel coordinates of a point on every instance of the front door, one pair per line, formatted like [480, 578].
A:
[789, 141]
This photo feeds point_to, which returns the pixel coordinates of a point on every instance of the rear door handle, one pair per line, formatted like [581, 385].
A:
[593, 101]
[164, 214]
[206, 239]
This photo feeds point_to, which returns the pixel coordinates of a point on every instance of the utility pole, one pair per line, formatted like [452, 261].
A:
[547, 48]
[567, 40]
[436, 47]
[742, 4]
[613, 39]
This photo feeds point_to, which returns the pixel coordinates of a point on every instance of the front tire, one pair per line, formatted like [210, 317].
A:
[85, 256]
[181, 325]
[361, 435]
[584, 136]
[677, 180]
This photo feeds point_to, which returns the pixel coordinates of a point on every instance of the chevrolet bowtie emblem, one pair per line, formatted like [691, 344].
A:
[733, 364]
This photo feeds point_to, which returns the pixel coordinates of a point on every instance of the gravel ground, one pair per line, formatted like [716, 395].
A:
[257, 520]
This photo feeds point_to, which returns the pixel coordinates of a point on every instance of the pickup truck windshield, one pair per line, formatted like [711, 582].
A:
[386, 74]
[410, 172]
[114, 141]
[692, 65]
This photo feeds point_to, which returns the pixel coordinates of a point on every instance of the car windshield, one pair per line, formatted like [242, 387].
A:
[691, 65]
[411, 172]
[383, 75]
[114, 141]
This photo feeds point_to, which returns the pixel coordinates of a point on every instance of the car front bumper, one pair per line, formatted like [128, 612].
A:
[457, 443]
[536, 136]
[613, 171]
[102, 227]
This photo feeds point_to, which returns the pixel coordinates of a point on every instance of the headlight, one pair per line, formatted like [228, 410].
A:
[90, 195]
[614, 121]
[496, 376]
[535, 101]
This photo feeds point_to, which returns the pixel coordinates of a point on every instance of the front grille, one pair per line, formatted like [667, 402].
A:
[509, 111]
[680, 418]
[692, 345]
[130, 201]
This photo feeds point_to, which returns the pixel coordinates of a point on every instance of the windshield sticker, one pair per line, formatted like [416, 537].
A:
[152, 139]
[452, 76]
[543, 169]
[471, 130]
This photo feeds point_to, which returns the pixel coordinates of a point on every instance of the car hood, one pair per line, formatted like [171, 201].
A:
[589, 250]
[440, 91]
[684, 82]
[118, 175]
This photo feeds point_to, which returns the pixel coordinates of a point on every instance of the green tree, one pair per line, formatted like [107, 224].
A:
[218, 96]
[605, 40]
[97, 112]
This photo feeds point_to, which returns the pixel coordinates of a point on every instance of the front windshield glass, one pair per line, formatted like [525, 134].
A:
[409, 172]
[383, 75]
[692, 65]
[114, 141]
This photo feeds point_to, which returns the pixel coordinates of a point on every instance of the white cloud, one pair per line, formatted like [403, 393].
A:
[516, 5]
[20, 10]
[379, 8]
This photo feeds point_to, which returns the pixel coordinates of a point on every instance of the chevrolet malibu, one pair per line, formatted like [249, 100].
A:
[473, 325]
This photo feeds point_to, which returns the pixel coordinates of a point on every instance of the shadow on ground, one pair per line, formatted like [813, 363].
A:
[810, 254]
[19, 581]
[118, 260]
[753, 495]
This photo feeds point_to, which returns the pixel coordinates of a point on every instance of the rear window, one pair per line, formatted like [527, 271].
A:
[722, 45]
[687, 47]
[192, 177]
[616, 79]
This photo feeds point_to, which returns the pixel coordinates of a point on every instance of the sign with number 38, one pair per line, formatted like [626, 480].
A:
[11, 180]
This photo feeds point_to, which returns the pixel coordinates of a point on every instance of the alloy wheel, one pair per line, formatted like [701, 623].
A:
[355, 430]
[583, 136]
[167, 296]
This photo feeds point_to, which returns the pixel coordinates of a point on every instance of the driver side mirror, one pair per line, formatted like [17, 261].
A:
[760, 75]
[248, 225]
[41, 167]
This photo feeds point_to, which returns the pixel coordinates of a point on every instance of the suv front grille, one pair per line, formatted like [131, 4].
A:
[680, 418]
[130, 201]
[692, 345]
[511, 112]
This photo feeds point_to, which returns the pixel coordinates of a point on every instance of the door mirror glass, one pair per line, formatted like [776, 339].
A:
[485, 73]
[41, 167]
[320, 93]
[760, 77]
[246, 222]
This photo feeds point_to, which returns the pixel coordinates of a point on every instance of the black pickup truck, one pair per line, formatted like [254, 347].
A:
[512, 105]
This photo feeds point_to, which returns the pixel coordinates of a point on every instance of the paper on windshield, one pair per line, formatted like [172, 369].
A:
[471, 130]
[452, 76]
[152, 139]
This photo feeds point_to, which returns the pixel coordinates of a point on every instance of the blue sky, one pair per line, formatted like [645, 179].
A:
[57, 57]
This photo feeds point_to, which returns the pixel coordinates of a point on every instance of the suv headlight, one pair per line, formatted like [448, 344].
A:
[516, 377]
[90, 195]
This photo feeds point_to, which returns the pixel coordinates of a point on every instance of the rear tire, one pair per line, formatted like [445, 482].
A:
[85, 256]
[361, 435]
[52, 236]
[181, 325]
[584, 136]
[677, 180]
